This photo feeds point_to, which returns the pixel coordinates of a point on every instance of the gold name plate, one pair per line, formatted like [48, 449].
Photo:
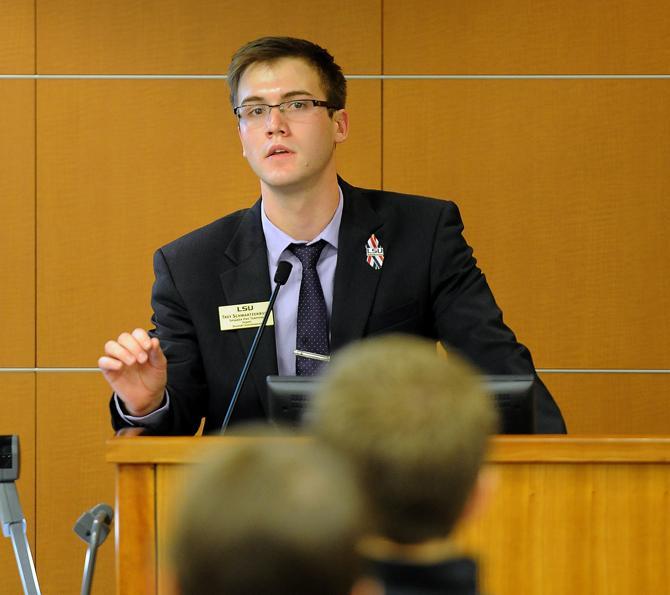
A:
[243, 316]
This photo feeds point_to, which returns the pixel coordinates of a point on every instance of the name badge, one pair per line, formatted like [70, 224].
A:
[243, 316]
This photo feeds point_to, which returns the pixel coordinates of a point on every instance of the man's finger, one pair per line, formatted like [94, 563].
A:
[156, 355]
[117, 351]
[133, 346]
[109, 364]
[143, 338]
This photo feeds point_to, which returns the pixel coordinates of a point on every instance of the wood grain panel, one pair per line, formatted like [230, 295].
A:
[17, 223]
[598, 505]
[17, 36]
[614, 539]
[126, 166]
[72, 477]
[135, 530]
[177, 449]
[171, 480]
[613, 403]
[510, 37]
[17, 416]
[178, 36]
[562, 186]
[590, 448]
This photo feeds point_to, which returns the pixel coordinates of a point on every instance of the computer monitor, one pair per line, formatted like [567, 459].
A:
[288, 397]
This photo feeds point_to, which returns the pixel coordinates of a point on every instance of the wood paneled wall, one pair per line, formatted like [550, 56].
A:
[17, 36]
[17, 222]
[17, 259]
[561, 183]
[17, 416]
[511, 37]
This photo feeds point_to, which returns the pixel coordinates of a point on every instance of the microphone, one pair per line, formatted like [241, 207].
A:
[93, 527]
[281, 277]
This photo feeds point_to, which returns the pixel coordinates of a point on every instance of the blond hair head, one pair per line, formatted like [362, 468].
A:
[414, 425]
[270, 516]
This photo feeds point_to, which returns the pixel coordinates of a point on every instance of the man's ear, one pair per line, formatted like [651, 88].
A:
[481, 493]
[341, 122]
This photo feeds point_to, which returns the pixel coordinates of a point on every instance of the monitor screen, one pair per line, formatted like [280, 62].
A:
[288, 398]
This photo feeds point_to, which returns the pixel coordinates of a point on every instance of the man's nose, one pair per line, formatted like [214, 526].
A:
[276, 121]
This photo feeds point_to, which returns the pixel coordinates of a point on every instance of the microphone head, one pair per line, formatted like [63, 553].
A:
[84, 525]
[283, 271]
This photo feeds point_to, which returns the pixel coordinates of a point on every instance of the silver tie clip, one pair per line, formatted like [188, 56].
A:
[310, 355]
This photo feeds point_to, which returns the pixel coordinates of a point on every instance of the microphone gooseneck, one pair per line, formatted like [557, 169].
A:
[281, 277]
[93, 527]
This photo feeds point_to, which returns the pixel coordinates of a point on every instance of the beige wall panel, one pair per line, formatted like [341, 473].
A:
[359, 158]
[17, 223]
[179, 36]
[126, 166]
[511, 37]
[17, 416]
[72, 477]
[613, 403]
[563, 189]
[17, 37]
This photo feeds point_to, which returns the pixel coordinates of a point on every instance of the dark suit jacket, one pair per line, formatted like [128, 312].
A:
[429, 285]
[453, 576]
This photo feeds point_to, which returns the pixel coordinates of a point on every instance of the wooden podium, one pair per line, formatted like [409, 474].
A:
[588, 514]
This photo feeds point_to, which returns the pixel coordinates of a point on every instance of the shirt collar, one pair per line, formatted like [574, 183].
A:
[277, 241]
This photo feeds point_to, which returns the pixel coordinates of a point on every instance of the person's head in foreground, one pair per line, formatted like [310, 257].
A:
[269, 516]
[415, 426]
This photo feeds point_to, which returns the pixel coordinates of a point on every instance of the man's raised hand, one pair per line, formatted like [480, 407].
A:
[136, 369]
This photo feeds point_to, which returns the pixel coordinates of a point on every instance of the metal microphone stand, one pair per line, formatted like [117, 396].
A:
[11, 514]
[93, 528]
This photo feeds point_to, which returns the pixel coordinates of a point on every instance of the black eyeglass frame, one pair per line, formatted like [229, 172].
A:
[314, 102]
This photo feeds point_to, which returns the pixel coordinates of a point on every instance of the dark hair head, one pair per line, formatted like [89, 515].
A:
[270, 49]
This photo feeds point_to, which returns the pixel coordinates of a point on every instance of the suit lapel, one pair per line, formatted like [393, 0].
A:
[355, 280]
[247, 281]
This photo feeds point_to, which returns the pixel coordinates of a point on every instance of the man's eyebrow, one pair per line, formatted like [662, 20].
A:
[288, 95]
[253, 98]
[296, 93]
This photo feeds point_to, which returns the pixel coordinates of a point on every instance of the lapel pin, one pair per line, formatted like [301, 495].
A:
[374, 252]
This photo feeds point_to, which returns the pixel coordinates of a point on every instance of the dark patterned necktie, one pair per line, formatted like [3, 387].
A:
[312, 326]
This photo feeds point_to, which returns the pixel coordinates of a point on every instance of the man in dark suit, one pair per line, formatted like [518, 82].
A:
[364, 262]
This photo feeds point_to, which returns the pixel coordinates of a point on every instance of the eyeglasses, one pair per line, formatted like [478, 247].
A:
[295, 110]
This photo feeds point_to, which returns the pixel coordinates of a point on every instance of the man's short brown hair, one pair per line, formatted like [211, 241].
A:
[270, 49]
[269, 516]
[414, 425]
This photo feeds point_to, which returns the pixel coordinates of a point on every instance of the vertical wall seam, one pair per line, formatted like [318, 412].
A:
[35, 82]
[381, 99]
[35, 182]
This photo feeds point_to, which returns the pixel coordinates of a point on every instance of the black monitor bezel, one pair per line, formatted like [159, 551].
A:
[287, 398]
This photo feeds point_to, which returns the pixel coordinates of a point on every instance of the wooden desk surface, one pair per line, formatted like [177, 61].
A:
[586, 514]
[505, 449]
